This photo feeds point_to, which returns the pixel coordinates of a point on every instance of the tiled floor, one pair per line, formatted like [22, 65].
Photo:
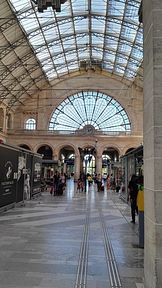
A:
[81, 240]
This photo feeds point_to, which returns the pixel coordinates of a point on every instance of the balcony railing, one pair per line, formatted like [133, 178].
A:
[68, 132]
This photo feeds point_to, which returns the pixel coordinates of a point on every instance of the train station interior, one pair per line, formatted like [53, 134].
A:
[80, 95]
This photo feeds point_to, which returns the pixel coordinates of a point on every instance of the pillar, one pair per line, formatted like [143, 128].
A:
[1, 119]
[99, 164]
[152, 21]
[64, 168]
[55, 156]
[5, 121]
[77, 167]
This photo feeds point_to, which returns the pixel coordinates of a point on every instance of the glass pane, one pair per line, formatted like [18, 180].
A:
[30, 124]
[90, 108]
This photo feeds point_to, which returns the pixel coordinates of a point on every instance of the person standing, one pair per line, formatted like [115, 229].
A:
[132, 196]
[108, 182]
[56, 179]
[99, 182]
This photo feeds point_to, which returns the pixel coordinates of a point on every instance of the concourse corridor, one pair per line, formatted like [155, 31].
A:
[82, 240]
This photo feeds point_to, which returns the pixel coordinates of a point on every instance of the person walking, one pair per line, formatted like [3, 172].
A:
[132, 196]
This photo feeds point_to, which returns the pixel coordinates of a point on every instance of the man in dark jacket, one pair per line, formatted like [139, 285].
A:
[133, 191]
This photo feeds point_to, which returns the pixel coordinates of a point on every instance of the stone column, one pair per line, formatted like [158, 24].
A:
[64, 168]
[55, 156]
[5, 121]
[152, 19]
[77, 168]
[99, 164]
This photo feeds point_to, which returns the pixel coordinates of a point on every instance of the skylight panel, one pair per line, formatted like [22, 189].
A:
[97, 25]
[48, 67]
[114, 27]
[49, 70]
[71, 54]
[97, 41]
[82, 42]
[84, 55]
[29, 23]
[79, 6]
[49, 34]
[59, 61]
[99, 7]
[116, 7]
[73, 66]
[137, 53]
[139, 37]
[62, 70]
[130, 74]
[112, 8]
[45, 62]
[67, 43]
[43, 54]
[65, 10]
[20, 4]
[66, 28]
[112, 43]
[129, 33]
[108, 67]
[37, 40]
[119, 70]
[50, 26]
[81, 24]
[131, 11]
[122, 61]
[56, 52]
[126, 48]
[48, 16]
[96, 55]
[132, 66]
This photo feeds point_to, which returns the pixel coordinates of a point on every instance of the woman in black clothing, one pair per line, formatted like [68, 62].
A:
[56, 179]
[133, 191]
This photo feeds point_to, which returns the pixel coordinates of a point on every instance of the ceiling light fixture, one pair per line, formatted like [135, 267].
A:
[44, 4]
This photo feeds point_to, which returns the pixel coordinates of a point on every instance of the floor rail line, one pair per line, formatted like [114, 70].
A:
[110, 258]
[81, 277]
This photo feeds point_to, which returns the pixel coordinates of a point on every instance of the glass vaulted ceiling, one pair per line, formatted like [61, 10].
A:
[106, 32]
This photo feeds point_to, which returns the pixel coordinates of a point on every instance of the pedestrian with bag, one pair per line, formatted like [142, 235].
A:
[132, 196]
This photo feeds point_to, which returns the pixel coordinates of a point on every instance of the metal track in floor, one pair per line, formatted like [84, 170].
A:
[115, 281]
[81, 277]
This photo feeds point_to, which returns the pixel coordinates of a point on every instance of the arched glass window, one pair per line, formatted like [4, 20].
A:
[30, 124]
[90, 108]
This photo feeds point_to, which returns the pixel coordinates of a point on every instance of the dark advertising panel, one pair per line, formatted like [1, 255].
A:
[36, 175]
[8, 176]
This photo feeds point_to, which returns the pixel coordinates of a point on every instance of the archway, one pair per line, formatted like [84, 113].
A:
[67, 160]
[111, 167]
[46, 151]
[24, 146]
[48, 165]
[129, 150]
[88, 160]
